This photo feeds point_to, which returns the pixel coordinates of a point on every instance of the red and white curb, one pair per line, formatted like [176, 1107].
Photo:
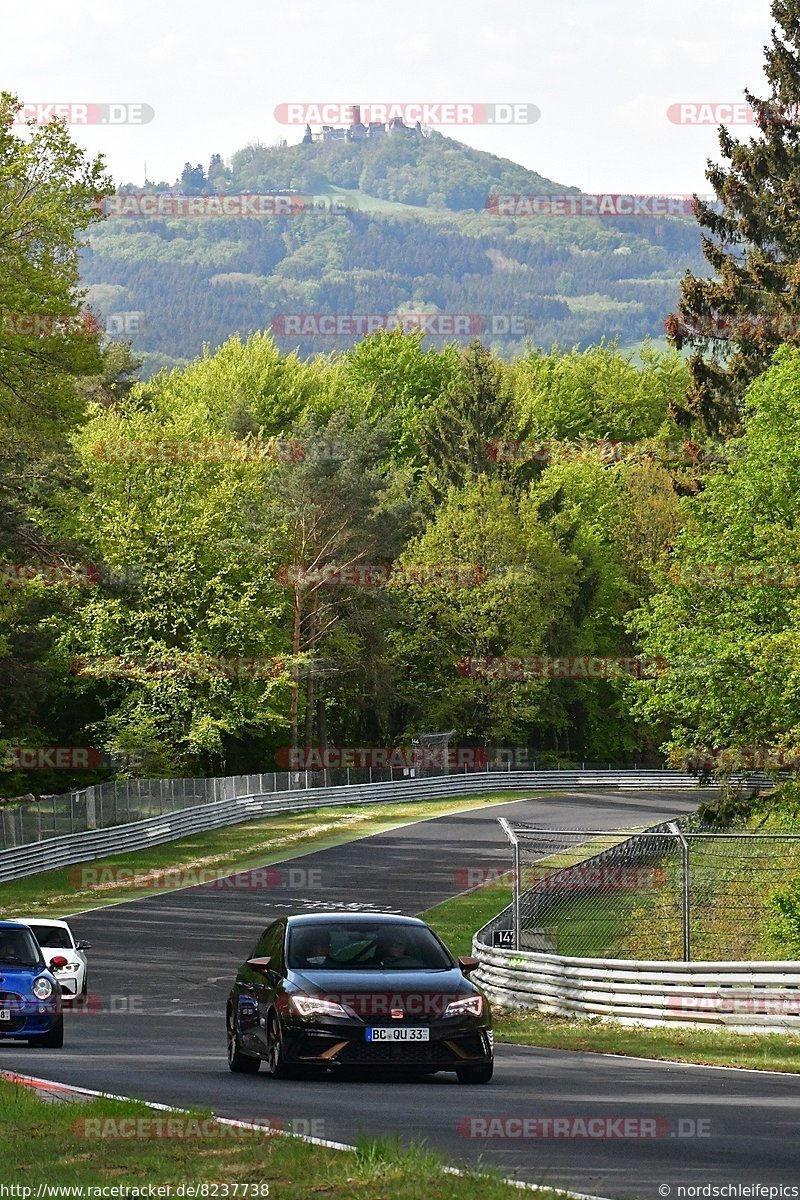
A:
[50, 1090]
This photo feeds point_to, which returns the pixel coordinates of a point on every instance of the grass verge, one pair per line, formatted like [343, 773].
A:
[715, 1047]
[278, 838]
[74, 1144]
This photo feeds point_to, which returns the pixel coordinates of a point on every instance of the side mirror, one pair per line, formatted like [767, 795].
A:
[83, 945]
[259, 964]
[57, 962]
[468, 964]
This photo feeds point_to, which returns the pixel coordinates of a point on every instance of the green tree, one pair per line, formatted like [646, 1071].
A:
[735, 319]
[731, 679]
[526, 589]
[338, 507]
[477, 408]
[49, 347]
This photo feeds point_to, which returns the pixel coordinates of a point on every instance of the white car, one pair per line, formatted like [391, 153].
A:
[55, 939]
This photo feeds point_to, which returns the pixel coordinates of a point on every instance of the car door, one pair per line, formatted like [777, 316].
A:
[263, 987]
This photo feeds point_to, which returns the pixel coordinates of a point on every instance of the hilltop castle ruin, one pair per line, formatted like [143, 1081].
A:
[357, 131]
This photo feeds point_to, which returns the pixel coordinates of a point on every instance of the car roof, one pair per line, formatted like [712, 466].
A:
[13, 925]
[42, 921]
[347, 915]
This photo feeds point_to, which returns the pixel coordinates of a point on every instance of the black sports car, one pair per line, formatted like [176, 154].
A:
[342, 990]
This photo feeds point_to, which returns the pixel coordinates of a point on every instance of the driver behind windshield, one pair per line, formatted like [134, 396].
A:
[16, 945]
[311, 947]
[393, 951]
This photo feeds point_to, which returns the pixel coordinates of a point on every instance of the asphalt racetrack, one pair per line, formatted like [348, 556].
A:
[161, 968]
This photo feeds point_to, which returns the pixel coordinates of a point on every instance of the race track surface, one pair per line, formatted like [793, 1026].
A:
[161, 968]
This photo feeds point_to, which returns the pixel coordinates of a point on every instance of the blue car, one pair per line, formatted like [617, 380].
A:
[30, 995]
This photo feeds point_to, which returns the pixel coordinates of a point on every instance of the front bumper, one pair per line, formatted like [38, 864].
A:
[29, 1018]
[452, 1044]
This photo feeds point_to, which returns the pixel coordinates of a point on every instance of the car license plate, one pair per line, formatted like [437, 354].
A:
[403, 1033]
[5, 1014]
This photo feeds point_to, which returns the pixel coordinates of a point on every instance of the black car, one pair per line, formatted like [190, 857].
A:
[347, 991]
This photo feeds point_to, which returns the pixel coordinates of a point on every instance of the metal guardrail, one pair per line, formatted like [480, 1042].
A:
[19, 861]
[122, 801]
[745, 996]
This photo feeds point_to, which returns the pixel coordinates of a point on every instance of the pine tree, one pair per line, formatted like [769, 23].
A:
[477, 408]
[735, 320]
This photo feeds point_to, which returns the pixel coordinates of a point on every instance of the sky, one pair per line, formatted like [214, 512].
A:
[603, 73]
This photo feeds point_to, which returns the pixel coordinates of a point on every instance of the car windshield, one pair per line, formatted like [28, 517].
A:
[52, 936]
[347, 945]
[18, 946]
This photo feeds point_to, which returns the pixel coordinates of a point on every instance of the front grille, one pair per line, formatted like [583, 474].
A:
[397, 1053]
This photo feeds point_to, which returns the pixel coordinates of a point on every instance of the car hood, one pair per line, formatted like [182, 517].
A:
[372, 993]
[21, 979]
[71, 956]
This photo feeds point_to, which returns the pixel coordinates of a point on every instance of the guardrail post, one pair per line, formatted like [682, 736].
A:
[512, 837]
[687, 941]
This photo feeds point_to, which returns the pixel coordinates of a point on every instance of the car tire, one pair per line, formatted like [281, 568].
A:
[85, 989]
[475, 1074]
[53, 1040]
[276, 1060]
[239, 1062]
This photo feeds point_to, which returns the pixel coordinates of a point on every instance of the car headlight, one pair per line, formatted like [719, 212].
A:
[42, 988]
[470, 1006]
[315, 1006]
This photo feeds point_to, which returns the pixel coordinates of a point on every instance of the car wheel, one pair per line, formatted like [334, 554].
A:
[238, 1061]
[85, 989]
[475, 1074]
[52, 1040]
[276, 1059]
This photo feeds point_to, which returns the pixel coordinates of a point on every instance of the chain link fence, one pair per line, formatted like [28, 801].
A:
[675, 891]
[119, 802]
